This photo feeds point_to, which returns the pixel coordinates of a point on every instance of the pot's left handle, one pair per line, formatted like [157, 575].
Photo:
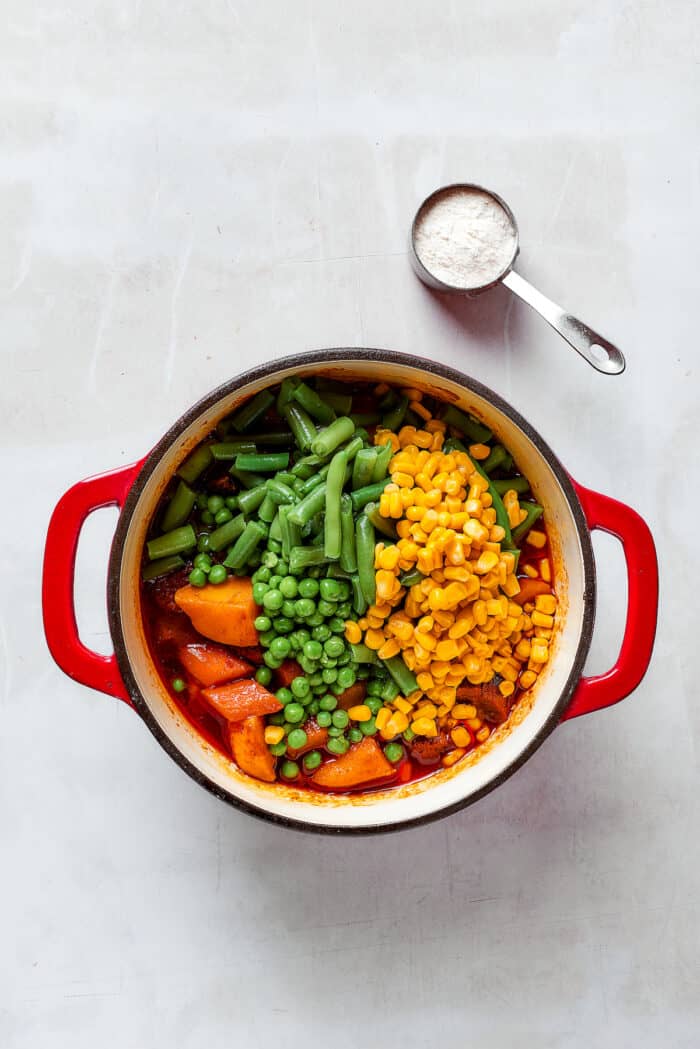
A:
[73, 657]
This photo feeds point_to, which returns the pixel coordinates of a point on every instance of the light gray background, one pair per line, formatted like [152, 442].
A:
[186, 190]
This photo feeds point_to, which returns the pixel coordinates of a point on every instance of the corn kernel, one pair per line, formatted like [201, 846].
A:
[453, 757]
[479, 451]
[545, 570]
[542, 620]
[424, 727]
[360, 713]
[483, 734]
[389, 648]
[546, 603]
[274, 734]
[353, 633]
[460, 737]
[463, 711]
[530, 571]
[374, 639]
[528, 679]
[403, 705]
[383, 718]
[506, 688]
[536, 539]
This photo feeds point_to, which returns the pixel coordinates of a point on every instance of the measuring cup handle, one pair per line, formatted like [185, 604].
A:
[600, 353]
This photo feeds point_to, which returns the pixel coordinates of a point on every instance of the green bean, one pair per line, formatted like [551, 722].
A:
[310, 401]
[534, 511]
[245, 545]
[179, 508]
[348, 556]
[276, 528]
[314, 480]
[496, 458]
[250, 500]
[276, 438]
[251, 410]
[354, 446]
[225, 451]
[365, 418]
[340, 402]
[286, 393]
[404, 678]
[381, 465]
[284, 530]
[363, 467]
[359, 602]
[226, 533]
[501, 512]
[383, 524]
[337, 433]
[362, 654]
[300, 424]
[267, 509]
[311, 504]
[301, 557]
[361, 496]
[411, 577]
[265, 462]
[195, 464]
[246, 478]
[394, 417]
[334, 490]
[178, 541]
[475, 431]
[515, 484]
[163, 566]
[364, 540]
[280, 492]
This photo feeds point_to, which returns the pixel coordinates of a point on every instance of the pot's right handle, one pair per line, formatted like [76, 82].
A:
[60, 627]
[594, 693]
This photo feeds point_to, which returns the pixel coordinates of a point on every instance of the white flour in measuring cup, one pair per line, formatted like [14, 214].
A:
[464, 238]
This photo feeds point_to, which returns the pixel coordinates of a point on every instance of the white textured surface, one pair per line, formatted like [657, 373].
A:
[186, 189]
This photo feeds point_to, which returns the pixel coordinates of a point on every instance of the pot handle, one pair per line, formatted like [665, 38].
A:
[73, 657]
[594, 693]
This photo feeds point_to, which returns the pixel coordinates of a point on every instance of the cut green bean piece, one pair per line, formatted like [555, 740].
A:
[348, 556]
[195, 464]
[404, 678]
[245, 545]
[393, 419]
[534, 511]
[226, 451]
[383, 524]
[362, 654]
[268, 509]
[163, 566]
[337, 433]
[365, 418]
[179, 541]
[246, 478]
[315, 479]
[286, 394]
[274, 439]
[311, 504]
[280, 492]
[361, 496]
[354, 446]
[381, 465]
[411, 578]
[244, 417]
[250, 500]
[179, 508]
[276, 528]
[340, 402]
[359, 602]
[363, 467]
[497, 456]
[310, 401]
[284, 530]
[334, 490]
[302, 557]
[364, 542]
[300, 424]
[475, 431]
[515, 484]
[263, 462]
[497, 503]
[226, 533]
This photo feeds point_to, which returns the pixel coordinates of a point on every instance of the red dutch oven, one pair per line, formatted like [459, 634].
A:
[560, 693]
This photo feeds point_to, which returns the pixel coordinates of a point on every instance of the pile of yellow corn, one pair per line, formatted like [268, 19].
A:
[459, 623]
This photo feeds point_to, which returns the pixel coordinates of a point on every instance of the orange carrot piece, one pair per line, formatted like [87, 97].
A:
[211, 664]
[363, 763]
[530, 588]
[250, 751]
[242, 699]
[224, 613]
[287, 672]
[316, 737]
[352, 696]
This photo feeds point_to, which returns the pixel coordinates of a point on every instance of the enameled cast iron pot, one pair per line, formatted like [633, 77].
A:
[560, 693]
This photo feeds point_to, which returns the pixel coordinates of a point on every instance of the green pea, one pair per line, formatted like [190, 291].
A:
[290, 769]
[278, 749]
[283, 625]
[343, 590]
[267, 637]
[304, 607]
[283, 569]
[368, 728]
[280, 647]
[313, 650]
[374, 688]
[321, 633]
[328, 703]
[338, 746]
[259, 591]
[330, 590]
[178, 684]
[203, 543]
[315, 620]
[203, 561]
[346, 677]
[272, 600]
[393, 752]
[297, 738]
[275, 581]
[284, 695]
[289, 609]
[334, 732]
[270, 559]
[215, 503]
[207, 517]
[312, 760]
[218, 575]
[323, 718]
[354, 735]
[344, 610]
[231, 502]
[325, 608]
[263, 675]
[326, 661]
[289, 586]
[272, 661]
[197, 577]
[329, 675]
[294, 713]
[340, 718]
[308, 587]
[274, 546]
[334, 647]
[337, 625]
[262, 575]
[222, 516]
[409, 734]
[374, 703]
[313, 708]
[300, 687]
[262, 623]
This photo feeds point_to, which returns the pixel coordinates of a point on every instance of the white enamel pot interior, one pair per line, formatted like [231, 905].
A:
[444, 791]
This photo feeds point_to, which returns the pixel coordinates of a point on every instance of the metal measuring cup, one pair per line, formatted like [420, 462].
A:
[600, 353]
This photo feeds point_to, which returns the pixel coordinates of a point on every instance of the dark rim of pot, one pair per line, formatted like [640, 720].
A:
[348, 356]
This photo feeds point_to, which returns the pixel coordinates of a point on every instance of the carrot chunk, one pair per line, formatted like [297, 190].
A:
[211, 664]
[241, 699]
[363, 763]
[529, 589]
[224, 613]
[352, 696]
[490, 703]
[316, 737]
[287, 672]
[250, 751]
